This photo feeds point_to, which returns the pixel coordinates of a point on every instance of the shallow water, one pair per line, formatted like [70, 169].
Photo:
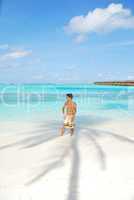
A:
[44, 101]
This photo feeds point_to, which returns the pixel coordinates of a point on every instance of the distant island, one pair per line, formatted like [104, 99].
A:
[115, 83]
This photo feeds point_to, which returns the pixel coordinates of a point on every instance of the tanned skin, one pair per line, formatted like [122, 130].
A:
[69, 109]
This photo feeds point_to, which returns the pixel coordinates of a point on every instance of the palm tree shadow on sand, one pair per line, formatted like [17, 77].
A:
[85, 129]
[45, 132]
[57, 161]
[100, 152]
[73, 188]
[34, 138]
[92, 135]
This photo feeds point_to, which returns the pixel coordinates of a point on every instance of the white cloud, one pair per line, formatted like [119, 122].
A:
[130, 77]
[80, 38]
[16, 54]
[101, 20]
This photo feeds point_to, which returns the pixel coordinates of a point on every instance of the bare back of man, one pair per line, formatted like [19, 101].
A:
[69, 111]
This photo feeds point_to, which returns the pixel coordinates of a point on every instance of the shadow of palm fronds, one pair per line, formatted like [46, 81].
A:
[100, 152]
[34, 138]
[74, 176]
[118, 137]
[95, 134]
[56, 161]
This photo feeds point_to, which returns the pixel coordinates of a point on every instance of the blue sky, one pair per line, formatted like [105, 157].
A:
[66, 41]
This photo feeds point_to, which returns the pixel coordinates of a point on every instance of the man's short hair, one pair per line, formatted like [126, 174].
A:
[69, 95]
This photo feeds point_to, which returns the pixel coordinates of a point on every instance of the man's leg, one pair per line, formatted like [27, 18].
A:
[72, 131]
[62, 131]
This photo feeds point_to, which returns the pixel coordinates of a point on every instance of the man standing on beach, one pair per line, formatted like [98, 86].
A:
[69, 110]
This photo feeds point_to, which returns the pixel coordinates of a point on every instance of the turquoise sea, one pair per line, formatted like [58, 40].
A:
[44, 101]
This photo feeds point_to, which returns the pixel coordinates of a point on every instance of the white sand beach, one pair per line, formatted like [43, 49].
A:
[96, 163]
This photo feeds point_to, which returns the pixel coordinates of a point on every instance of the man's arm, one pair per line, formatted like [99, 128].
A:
[75, 107]
[63, 109]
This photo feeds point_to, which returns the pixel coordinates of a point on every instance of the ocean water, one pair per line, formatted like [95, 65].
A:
[45, 101]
